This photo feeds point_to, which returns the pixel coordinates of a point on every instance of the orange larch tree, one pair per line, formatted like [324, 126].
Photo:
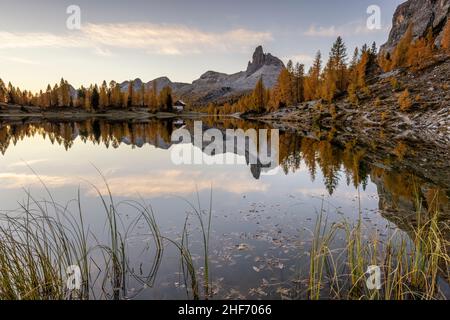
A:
[445, 43]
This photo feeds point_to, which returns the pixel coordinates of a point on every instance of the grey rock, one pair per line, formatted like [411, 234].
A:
[422, 14]
[260, 59]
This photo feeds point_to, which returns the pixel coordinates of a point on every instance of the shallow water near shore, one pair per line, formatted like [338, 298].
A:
[262, 222]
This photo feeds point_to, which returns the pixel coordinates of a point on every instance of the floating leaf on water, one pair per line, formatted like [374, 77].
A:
[256, 269]
[258, 291]
[242, 247]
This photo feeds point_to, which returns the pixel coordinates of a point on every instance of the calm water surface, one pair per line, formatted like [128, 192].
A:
[261, 222]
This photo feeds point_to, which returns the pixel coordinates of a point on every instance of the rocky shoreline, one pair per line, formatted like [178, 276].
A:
[14, 112]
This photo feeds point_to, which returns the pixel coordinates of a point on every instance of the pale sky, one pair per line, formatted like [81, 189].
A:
[121, 40]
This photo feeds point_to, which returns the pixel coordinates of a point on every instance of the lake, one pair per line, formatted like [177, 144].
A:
[263, 222]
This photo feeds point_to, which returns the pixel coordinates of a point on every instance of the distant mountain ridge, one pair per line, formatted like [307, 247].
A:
[161, 82]
[214, 86]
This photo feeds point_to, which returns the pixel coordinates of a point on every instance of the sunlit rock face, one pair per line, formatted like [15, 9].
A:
[423, 15]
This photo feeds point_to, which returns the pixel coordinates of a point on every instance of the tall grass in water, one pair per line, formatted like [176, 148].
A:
[321, 257]
[42, 239]
[188, 266]
[411, 265]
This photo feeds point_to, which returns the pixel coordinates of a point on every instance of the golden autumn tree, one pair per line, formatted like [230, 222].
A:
[64, 93]
[353, 77]
[312, 82]
[55, 96]
[400, 55]
[421, 50]
[274, 99]
[291, 70]
[2, 91]
[115, 99]
[384, 61]
[285, 88]
[104, 101]
[404, 101]
[152, 97]
[335, 74]
[361, 69]
[445, 42]
[360, 66]
[353, 94]
[259, 97]
[328, 87]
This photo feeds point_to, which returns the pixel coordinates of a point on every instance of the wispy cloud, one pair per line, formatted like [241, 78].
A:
[151, 38]
[315, 31]
[27, 163]
[154, 184]
[18, 60]
[350, 29]
[12, 40]
[301, 57]
[102, 52]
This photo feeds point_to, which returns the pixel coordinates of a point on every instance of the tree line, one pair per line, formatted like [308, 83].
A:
[92, 98]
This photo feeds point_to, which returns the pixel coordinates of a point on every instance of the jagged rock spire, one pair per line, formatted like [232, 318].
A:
[261, 59]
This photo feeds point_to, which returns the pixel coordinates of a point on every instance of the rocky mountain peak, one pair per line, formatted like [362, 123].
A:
[260, 59]
[215, 86]
[423, 15]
